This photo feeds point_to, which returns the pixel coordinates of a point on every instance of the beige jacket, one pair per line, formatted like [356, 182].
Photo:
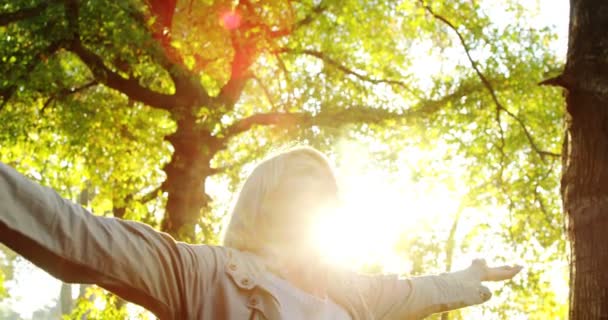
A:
[176, 280]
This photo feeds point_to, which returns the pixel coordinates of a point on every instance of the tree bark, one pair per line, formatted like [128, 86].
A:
[585, 171]
[66, 304]
[186, 174]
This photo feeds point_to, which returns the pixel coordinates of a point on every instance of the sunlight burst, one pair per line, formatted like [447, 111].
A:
[374, 215]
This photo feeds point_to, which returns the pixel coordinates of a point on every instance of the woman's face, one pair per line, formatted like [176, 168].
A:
[299, 213]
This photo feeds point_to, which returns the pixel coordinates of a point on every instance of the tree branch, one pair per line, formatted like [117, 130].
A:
[265, 119]
[66, 92]
[129, 87]
[310, 17]
[119, 211]
[542, 154]
[185, 93]
[8, 92]
[163, 10]
[316, 11]
[341, 67]
[521, 123]
[286, 76]
[266, 92]
[352, 114]
[429, 107]
[26, 13]
[563, 80]
[164, 53]
[245, 52]
[150, 195]
[187, 88]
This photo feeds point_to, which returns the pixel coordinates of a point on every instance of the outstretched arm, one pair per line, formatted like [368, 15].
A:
[128, 258]
[416, 298]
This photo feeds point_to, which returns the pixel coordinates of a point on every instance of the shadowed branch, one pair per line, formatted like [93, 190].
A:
[186, 92]
[361, 76]
[26, 13]
[266, 119]
[129, 87]
[66, 92]
[312, 15]
[266, 92]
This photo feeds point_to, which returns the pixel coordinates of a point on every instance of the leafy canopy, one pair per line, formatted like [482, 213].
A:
[95, 92]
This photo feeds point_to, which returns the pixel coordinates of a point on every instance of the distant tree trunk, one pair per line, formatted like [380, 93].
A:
[585, 171]
[66, 303]
[449, 251]
[82, 290]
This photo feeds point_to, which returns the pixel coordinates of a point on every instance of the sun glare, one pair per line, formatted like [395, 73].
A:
[375, 213]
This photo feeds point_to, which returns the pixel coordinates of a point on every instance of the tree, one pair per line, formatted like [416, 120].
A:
[142, 102]
[139, 50]
[585, 178]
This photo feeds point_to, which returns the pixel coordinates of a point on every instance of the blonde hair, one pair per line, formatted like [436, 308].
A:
[279, 199]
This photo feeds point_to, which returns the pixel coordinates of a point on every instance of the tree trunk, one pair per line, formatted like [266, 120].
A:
[585, 175]
[449, 251]
[66, 303]
[185, 182]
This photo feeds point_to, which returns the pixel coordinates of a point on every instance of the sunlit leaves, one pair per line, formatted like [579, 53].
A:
[7, 258]
[96, 304]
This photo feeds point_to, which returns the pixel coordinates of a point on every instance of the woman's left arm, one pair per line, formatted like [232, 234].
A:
[418, 297]
[128, 258]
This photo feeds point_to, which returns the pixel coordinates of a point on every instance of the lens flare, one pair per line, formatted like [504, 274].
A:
[230, 20]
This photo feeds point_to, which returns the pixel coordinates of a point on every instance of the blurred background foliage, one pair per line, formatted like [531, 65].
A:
[420, 95]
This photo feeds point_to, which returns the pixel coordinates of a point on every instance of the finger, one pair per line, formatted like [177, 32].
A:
[502, 273]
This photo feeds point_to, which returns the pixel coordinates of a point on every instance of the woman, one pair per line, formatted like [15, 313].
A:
[267, 268]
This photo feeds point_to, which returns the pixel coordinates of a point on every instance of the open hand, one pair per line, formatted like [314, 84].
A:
[494, 273]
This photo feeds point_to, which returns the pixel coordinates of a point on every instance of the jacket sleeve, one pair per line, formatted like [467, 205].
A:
[389, 297]
[128, 258]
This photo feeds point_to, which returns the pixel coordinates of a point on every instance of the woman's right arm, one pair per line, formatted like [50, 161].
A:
[128, 258]
[390, 297]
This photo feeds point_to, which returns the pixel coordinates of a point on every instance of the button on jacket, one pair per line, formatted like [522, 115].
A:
[176, 280]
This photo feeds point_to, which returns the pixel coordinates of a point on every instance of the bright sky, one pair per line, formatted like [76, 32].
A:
[372, 231]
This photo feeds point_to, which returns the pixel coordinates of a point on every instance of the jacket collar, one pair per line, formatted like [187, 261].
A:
[246, 271]
[244, 268]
